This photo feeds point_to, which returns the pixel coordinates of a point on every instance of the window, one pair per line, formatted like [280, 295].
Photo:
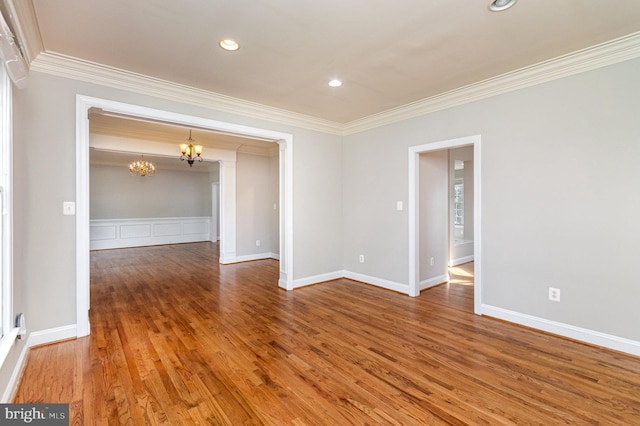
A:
[8, 331]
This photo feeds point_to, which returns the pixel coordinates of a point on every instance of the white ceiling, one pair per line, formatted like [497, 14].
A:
[388, 53]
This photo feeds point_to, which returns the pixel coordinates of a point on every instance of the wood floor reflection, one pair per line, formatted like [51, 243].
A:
[178, 339]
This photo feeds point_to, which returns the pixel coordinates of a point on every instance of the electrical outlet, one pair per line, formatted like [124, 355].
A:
[432, 261]
[362, 258]
[554, 294]
[257, 243]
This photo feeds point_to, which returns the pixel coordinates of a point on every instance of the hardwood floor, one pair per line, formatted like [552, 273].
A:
[178, 339]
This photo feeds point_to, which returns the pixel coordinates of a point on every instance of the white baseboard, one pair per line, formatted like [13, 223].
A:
[461, 260]
[315, 279]
[51, 335]
[434, 281]
[14, 379]
[577, 333]
[380, 282]
[35, 338]
[247, 258]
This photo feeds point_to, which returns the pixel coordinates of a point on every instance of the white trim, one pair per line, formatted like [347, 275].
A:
[122, 233]
[432, 282]
[565, 330]
[414, 228]
[7, 342]
[379, 282]
[252, 257]
[77, 69]
[227, 176]
[594, 57]
[286, 214]
[354, 276]
[461, 260]
[315, 279]
[6, 217]
[14, 379]
[51, 335]
[83, 104]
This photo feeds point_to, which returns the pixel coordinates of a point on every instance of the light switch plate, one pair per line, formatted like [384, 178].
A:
[69, 208]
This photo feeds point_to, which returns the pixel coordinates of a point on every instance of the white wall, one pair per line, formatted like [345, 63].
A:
[434, 217]
[565, 153]
[558, 186]
[115, 194]
[45, 134]
[256, 194]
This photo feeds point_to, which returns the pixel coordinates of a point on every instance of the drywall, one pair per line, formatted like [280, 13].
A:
[45, 134]
[558, 182]
[434, 217]
[256, 194]
[115, 194]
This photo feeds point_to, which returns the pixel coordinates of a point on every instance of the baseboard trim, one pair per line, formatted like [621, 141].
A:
[379, 282]
[14, 380]
[258, 256]
[52, 335]
[389, 285]
[35, 338]
[431, 282]
[250, 257]
[315, 279]
[597, 338]
[461, 260]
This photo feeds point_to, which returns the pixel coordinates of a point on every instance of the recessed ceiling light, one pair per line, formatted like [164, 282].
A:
[499, 5]
[335, 83]
[229, 44]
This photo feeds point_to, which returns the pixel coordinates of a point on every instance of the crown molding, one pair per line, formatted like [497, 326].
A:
[268, 150]
[598, 56]
[23, 17]
[601, 55]
[77, 69]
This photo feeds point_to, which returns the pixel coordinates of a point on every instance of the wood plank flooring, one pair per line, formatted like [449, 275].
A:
[178, 339]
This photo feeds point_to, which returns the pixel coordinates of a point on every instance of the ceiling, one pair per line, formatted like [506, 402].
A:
[122, 160]
[387, 53]
[133, 127]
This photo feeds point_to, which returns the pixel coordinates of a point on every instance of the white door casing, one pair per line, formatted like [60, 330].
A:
[227, 222]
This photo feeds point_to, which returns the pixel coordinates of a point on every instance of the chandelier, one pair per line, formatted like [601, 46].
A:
[142, 168]
[188, 150]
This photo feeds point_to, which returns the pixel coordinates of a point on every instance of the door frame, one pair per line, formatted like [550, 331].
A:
[85, 103]
[215, 211]
[414, 203]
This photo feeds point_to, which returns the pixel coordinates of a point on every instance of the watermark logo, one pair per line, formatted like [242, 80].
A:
[34, 414]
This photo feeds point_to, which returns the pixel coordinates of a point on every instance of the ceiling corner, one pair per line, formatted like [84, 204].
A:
[22, 16]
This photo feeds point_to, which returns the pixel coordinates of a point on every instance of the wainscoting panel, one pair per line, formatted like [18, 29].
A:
[121, 233]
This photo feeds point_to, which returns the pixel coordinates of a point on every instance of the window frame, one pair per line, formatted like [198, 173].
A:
[9, 331]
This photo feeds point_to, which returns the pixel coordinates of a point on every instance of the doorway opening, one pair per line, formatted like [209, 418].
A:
[227, 187]
[414, 212]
